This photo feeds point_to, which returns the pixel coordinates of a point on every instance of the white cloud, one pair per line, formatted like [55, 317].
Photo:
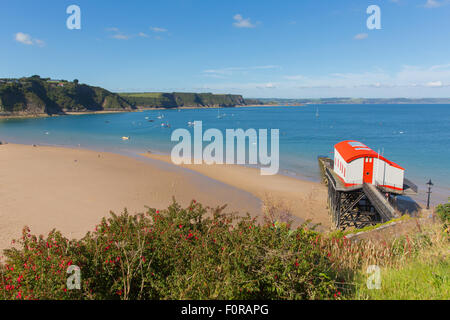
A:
[117, 34]
[233, 70]
[432, 4]
[361, 36]
[142, 34]
[121, 36]
[434, 84]
[407, 81]
[407, 76]
[269, 85]
[240, 22]
[25, 38]
[296, 77]
[156, 29]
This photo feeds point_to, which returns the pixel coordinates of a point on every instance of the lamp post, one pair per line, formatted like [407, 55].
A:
[430, 184]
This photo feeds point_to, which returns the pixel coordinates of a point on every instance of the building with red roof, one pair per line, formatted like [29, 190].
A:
[355, 164]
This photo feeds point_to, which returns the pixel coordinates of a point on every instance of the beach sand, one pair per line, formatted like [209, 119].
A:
[71, 189]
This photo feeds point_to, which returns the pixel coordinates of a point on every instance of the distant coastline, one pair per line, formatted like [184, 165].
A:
[36, 97]
[346, 100]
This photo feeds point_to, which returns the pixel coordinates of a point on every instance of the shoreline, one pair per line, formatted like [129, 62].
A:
[45, 115]
[139, 109]
[72, 189]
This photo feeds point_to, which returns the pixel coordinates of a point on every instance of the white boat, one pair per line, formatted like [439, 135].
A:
[125, 138]
[317, 112]
[160, 116]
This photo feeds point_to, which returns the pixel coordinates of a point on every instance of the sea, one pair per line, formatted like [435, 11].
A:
[417, 137]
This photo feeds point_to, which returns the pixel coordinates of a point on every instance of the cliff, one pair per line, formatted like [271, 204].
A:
[37, 96]
[182, 99]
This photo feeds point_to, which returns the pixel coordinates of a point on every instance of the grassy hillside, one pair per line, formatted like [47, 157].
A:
[182, 99]
[34, 95]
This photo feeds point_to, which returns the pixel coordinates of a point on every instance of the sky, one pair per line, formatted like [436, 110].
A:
[257, 48]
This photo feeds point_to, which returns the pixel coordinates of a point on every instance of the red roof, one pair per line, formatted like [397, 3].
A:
[351, 150]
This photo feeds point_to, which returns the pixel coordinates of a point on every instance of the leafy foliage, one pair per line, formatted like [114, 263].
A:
[190, 253]
[443, 212]
[183, 99]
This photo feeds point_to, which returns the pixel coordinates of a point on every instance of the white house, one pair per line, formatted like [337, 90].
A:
[355, 164]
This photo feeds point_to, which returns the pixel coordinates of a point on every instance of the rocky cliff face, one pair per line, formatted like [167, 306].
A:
[29, 96]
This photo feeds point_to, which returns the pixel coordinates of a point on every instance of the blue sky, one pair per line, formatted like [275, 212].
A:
[288, 49]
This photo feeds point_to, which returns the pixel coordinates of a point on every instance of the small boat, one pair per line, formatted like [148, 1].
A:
[317, 112]
[125, 138]
[160, 116]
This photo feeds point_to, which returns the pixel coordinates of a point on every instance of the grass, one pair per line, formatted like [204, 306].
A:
[422, 278]
[413, 266]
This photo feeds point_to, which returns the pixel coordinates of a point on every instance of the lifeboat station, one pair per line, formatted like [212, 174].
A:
[362, 185]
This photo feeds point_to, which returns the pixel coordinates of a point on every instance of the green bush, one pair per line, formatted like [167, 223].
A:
[443, 212]
[191, 253]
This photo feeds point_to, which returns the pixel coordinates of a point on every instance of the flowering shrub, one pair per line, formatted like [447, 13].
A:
[191, 253]
[38, 270]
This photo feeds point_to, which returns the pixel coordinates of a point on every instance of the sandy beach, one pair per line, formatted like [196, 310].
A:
[71, 189]
[305, 199]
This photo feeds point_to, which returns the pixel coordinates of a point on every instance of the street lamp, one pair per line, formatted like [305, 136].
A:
[430, 184]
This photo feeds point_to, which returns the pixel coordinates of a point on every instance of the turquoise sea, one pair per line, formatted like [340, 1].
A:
[417, 137]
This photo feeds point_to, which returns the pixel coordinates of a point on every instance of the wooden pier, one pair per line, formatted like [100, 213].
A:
[359, 205]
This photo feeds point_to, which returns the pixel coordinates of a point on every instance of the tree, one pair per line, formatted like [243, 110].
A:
[75, 81]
